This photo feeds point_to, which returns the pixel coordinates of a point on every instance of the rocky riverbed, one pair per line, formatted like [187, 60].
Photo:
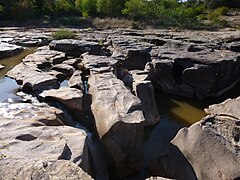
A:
[86, 105]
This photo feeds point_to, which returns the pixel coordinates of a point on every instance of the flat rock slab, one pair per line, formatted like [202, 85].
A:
[8, 50]
[119, 121]
[21, 140]
[44, 55]
[70, 97]
[64, 68]
[75, 47]
[59, 169]
[32, 114]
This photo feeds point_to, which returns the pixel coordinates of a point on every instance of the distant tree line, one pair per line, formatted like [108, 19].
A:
[165, 11]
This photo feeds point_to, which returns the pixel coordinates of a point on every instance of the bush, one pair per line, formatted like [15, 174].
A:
[63, 34]
[110, 8]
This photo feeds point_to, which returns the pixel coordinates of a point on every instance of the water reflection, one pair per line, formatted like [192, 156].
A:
[8, 86]
[187, 110]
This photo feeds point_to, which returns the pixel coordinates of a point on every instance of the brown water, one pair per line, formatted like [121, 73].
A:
[186, 110]
[8, 86]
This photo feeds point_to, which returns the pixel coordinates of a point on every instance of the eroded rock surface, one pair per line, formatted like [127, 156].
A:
[201, 149]
[59, 169]
[71, 98]
[75, 47]
[8, 50]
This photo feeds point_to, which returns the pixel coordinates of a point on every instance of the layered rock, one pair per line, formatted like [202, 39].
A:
[142, 87]
[33, 73]
[136, 54]
[59, 169]
[27, 145]
[71, 98]
[74, 47]
[199, 73]
[8, 50]
[119, 121]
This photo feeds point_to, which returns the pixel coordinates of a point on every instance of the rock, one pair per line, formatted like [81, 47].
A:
[137, 54]
[93, 150]
[8, 50]
[93, 62]
[32, 114]
[1, 67]
[22, 141]
[32, 79]
[234, 46]
[28, 145]
[74, 47]
[59, 169]
[59, 75]
[119, 122]
[71, 98]
[229, 107]
[73, 62]
[33, 74]
[64, 68]
[44, 55]
[197, 74]
[142, 87]
[76, 80]
[209, 143]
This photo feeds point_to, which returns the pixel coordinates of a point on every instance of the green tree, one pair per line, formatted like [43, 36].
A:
[135, 8]
[111, 8]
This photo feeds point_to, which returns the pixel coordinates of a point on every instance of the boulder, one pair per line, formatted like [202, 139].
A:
[119, 122]
[8, 50]
[32, 79]
[209, 143]
[59, 75]
[35, 143]
[71, 98]
[73, 47]
[142, 87]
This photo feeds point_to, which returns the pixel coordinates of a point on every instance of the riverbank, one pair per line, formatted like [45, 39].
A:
[115, 99]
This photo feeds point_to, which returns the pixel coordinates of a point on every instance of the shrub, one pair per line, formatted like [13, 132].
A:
[135, 8]
[64, 34]
[110, 8]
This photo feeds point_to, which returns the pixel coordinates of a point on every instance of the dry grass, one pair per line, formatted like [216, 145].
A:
[109, 23]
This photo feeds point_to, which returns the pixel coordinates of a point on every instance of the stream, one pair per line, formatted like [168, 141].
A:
[8, 86]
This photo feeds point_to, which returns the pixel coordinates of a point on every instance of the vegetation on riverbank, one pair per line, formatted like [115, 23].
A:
[158, 13]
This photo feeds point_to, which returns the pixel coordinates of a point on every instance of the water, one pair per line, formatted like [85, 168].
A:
[8, 86]
[188, 111]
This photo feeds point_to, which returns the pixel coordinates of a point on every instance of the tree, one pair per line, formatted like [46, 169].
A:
[111, 8]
